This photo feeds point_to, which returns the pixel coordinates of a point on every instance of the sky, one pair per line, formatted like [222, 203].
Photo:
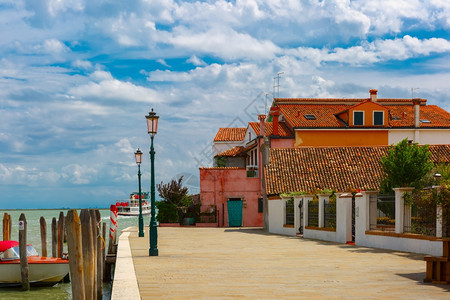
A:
[77, 78]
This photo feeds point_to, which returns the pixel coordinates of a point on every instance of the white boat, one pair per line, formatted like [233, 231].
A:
[42, 271]
[130, 207]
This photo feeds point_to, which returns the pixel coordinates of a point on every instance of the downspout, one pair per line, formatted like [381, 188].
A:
[416, 103]
[222, 183]
[265, 161]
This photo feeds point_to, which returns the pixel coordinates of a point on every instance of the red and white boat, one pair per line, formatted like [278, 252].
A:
[42, 271]
[130, 207]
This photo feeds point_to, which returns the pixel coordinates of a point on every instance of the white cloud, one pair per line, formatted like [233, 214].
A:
[196, 61]
[107, 87]
[79, 174]
[82, 64]
[163, 62]
[124, 146]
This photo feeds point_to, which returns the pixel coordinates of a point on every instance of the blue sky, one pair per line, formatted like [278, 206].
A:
[77, 78]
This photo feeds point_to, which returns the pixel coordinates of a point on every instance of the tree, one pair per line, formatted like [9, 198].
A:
[405, 165]
[173, 192]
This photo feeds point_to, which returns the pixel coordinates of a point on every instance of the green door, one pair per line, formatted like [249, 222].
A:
[235, 212]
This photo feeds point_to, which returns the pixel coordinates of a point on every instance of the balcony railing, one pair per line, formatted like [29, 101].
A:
[252, 171]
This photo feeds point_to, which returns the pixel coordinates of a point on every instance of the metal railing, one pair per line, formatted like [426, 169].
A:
[385, 212]
[329, 210]
[313, 213]
[289, 218]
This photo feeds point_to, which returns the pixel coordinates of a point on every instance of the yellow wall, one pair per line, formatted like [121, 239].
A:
[341, 138]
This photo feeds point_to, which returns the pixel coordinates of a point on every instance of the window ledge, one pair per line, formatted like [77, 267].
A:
[288, 226]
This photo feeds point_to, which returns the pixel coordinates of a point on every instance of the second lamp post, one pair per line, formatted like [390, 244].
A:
[138, 156]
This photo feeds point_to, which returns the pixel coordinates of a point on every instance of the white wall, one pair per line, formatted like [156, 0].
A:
[388, 242]
[424, 136]
[276, 218]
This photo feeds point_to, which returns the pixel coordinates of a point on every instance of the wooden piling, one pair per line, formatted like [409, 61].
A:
[43, 226]
[23, 252]
[54, 238]
[75, 249]
[94, 232]
[103, 249]
[60, 242]
[99, 273]
[88, 250]
[6, 227]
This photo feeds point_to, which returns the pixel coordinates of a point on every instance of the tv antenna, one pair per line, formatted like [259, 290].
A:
[276, 85]
[412, 92]
[265, 108]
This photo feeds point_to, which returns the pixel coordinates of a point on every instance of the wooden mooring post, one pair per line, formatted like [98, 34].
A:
[100, 250]
[43, 226]
[60, 241]
[75, 249]
[7, 224]
[54, 238]
[23, 252]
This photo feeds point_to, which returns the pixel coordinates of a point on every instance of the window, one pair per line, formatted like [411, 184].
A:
[310, 117]
[358, 118]
[378, 118]
[260, 205]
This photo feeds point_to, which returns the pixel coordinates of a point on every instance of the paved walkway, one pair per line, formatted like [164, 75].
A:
[227, 263]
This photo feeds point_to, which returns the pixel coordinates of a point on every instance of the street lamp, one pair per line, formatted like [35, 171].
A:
[152, 126]
[138, 156]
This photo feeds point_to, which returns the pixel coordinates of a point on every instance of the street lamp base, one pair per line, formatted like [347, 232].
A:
[153, 252]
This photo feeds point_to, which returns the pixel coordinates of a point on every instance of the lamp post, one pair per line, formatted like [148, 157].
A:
[138, 156]
[152, 126]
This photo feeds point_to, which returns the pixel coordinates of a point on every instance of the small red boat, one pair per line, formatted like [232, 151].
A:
[42, 271]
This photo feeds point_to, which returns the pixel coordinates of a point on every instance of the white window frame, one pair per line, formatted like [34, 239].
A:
[373, 118]
[363, 118]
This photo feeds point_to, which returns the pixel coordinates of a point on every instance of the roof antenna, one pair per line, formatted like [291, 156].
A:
[277, 85]
[412, 92]
[265, 108]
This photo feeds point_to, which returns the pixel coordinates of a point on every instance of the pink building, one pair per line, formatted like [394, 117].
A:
[234, 185]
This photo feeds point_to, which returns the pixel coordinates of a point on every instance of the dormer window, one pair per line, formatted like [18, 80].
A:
[358, 118]
[378, 118]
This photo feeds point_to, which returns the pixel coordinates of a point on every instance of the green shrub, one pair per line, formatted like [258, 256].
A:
[167, 212]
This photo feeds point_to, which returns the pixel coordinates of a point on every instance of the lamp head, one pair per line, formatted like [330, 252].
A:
[138, 156]
[152, 122]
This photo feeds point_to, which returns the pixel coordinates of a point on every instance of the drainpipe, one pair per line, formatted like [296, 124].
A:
[416, 103]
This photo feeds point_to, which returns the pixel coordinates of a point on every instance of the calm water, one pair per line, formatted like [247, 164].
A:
[59, 291]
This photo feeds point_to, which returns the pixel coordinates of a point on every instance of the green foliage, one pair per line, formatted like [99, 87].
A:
[444, 170]
[167, 212]
[173, 192]
[405, 165]
[221, 161]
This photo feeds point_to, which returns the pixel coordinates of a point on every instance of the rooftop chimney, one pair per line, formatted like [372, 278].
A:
[262, 125]
[416, 102]
[275, 112]
[373, 95]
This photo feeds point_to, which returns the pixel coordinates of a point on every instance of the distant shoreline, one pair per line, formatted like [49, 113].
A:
[9, 209]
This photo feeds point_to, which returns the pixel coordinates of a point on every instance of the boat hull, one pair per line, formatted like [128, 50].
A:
[42, 271]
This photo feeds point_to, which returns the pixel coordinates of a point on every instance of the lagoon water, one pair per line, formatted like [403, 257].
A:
[61, 290]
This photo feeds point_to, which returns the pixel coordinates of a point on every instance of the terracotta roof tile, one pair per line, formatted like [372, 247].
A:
[230, 134]
[401, 115]
[283, 130]
[339, 168]
[235, 151]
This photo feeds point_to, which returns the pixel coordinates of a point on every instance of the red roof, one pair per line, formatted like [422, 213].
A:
[305, 169]
[235, 151]
[230, 134]
[283, 130]
[401, 115]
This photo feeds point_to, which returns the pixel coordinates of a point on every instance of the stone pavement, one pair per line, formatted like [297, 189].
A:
[228, 263]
